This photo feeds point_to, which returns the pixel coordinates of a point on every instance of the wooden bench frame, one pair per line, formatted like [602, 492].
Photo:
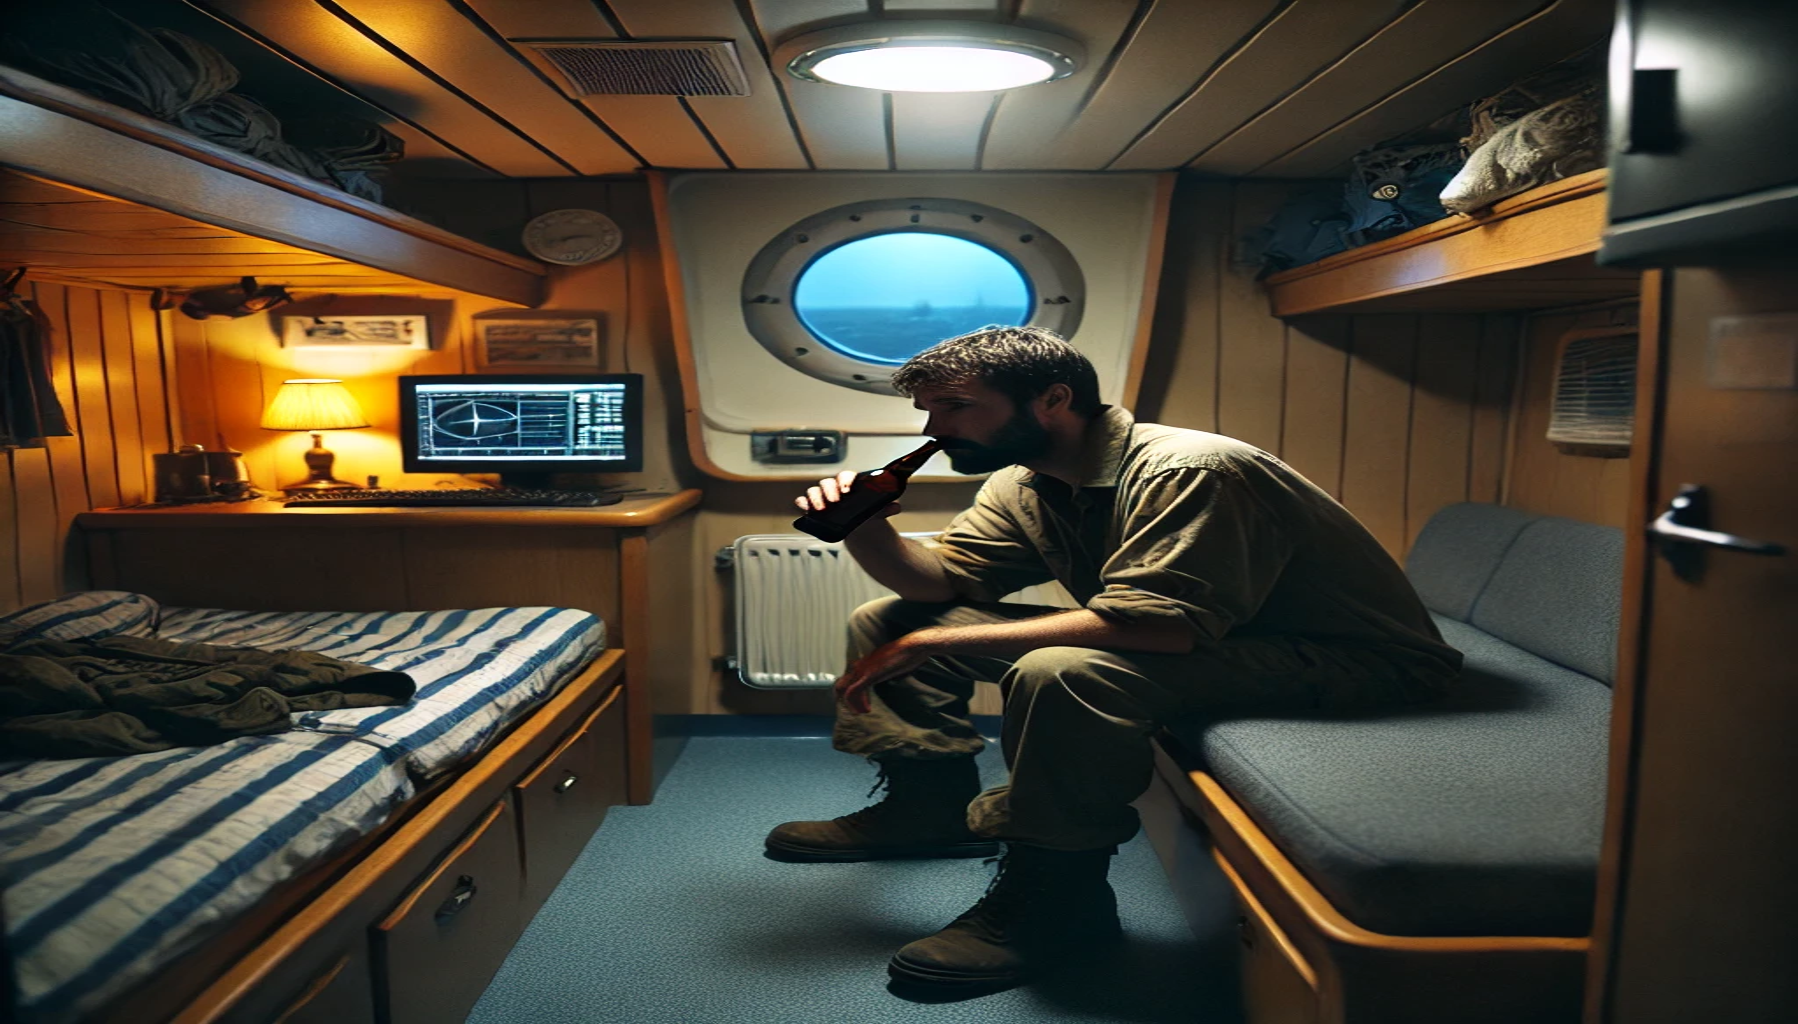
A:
[1307, 962]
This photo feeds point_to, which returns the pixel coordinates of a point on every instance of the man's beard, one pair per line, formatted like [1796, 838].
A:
[1021, 439]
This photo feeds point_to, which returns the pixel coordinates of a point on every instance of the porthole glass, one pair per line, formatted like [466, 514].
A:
[885, 298]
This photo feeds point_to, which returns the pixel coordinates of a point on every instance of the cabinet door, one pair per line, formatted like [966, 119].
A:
[1709, 91]
[564, 799]
[441, 946]
[342, 994]
[1702, 922]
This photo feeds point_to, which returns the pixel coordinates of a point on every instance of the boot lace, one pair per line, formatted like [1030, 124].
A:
[883, 780]
[1000, 905]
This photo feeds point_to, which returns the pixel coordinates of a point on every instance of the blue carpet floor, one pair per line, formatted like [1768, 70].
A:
[673, 916]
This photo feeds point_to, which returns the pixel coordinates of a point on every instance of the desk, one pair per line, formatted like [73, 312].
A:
[262, 556]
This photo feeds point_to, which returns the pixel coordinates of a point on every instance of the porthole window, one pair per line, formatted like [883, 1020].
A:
[885, 298]
[849, 294]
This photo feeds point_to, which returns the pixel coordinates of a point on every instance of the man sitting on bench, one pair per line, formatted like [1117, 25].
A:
[1215, 581]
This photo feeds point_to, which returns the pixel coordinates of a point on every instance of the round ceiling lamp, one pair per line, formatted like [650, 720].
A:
[930, 56]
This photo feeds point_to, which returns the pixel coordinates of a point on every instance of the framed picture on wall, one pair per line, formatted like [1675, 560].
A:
[351, 332]
[562, 338]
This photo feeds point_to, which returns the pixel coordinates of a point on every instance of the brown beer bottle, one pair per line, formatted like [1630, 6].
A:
[871, 491]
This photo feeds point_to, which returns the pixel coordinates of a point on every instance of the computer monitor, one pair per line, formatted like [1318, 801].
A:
[522, 426]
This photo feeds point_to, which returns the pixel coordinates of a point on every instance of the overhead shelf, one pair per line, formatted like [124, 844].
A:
[1530, 251]
[94, 192]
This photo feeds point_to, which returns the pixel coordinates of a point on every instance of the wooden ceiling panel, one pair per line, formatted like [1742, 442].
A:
[939, 131]
[844, 129]
[1172, 48]
[1029, 122]
[754, 131]
[1290, 49]
[463, 54]
[337, 50]
[1559, 31]
[657, 128]
[1408, 49]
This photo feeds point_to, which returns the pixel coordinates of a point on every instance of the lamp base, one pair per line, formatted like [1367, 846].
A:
[318, 460]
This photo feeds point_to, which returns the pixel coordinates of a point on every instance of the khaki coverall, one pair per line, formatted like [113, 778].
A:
[1293, 607]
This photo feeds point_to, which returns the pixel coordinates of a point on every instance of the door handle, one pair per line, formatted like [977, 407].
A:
[1683, 531]
[1687, 516]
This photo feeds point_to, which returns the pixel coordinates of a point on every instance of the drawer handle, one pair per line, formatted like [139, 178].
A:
[1244, 933]
[567, 784]
[460, 897]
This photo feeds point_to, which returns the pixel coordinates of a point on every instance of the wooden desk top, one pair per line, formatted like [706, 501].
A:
[636, 510]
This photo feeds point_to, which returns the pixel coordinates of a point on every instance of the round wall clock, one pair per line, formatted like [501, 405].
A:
[572, 237]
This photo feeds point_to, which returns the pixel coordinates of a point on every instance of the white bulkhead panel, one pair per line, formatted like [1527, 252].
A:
[722, 221]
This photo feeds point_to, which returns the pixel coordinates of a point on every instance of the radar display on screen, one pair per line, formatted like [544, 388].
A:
[526, 422]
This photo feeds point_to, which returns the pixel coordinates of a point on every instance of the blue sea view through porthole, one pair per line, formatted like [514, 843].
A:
[888, 297]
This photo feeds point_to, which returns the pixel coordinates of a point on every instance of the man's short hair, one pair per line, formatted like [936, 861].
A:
[1019, 362]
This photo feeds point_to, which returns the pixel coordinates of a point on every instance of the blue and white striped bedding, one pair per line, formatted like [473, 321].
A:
[113, 867]
[476, 670]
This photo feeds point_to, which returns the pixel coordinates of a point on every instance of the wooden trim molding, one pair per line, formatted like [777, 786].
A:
[66, 137]
[683, 333]
[635, 511]
[1632, 636]
[1151, 287]
[1557, 221]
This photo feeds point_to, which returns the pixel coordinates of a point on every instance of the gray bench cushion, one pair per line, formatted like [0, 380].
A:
[1558, 593]
[1477, 816]
[1457, 552]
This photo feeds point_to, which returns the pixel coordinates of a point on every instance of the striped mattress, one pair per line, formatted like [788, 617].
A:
[113, 867]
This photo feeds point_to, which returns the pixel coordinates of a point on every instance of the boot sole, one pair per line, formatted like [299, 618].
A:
[806, 854]
[920, 978]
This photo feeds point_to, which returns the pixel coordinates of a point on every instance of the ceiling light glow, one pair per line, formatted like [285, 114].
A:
[929, 56]
[934, 69]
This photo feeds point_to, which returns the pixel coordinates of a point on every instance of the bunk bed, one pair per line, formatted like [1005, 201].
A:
[326, 873]
[92, 192]
[1529, 251]
[1355, 850]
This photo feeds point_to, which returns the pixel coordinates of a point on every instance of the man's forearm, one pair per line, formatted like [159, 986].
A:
[1077, 628]
[900, 564]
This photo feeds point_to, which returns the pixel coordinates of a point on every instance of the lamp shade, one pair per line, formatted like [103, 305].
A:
[313, 404]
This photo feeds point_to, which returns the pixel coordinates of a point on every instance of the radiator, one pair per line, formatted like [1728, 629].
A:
[794, 594]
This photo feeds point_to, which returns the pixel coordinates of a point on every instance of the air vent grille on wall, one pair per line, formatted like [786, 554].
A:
[1595, 390]
[645, 68]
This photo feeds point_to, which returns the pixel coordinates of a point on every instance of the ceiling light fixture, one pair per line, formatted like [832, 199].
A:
[930, 56]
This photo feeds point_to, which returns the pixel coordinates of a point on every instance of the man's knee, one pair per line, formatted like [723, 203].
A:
[1051, 666]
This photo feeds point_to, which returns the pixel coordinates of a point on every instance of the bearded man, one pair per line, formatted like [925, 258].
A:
[1214, 581]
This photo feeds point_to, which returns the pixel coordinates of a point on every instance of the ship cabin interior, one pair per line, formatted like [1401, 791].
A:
[470, 356]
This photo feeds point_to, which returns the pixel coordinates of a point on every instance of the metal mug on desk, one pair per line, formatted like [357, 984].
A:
[229, 477]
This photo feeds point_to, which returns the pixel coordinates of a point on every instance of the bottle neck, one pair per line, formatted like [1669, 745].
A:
[906, 465]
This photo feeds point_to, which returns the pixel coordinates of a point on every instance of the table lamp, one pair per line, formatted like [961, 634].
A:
[314, 405]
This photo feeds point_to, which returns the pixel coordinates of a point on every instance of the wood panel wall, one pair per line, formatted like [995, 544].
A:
[1542, 478]
[1395, 415]
[108, 355]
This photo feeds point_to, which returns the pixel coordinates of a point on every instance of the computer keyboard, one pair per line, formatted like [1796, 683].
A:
[462, 497]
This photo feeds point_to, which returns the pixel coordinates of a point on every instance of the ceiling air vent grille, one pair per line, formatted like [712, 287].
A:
[1595, 391]
[638, 68]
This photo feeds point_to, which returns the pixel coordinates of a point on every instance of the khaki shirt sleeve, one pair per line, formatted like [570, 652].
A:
[1196, 548]
[986, 552]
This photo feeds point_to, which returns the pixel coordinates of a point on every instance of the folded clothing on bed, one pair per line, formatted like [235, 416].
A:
[135, 695]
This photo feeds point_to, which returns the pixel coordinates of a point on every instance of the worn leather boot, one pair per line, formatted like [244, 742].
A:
[924, 814]
[1043, 907]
